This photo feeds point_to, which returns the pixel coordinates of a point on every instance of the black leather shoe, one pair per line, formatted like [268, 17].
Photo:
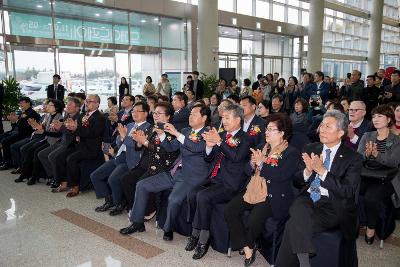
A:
[134, 227]
[106, 206]
[241, 252]
[31, 181]
[369, 240]
[168, 236]
[20, 179]
[17, 171]
[117, 210]
[54, 184]
[201, 250]
[4, 167]
[192, 243]
[249, 261]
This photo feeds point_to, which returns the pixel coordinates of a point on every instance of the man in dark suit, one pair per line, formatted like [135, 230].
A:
[180, 119]
[56, 90]
[89, 131]
[106, 179]
[322, 86]
[358, 124]
[184, 176]
[308, 87]
[228, 153]
[56, 159]
[252, 124]
[330, 179]
[197, 85]
[20, 129]
[1, 107]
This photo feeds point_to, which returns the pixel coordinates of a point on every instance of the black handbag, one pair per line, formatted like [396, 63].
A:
[376, 170]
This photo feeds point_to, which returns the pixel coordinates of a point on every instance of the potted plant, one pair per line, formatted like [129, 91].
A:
[12, 93]
[210, 83]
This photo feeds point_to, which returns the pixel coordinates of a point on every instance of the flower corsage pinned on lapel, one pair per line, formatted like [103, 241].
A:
[124, 117]
[157, 141]
[221, 129]
[255, 130]
[23, 115]
[275, 155]
[232, 141]
[85, 121]
[195, 137]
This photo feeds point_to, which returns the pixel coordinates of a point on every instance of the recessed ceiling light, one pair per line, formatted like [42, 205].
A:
[143, 21]
[59, 22]
[251, 35]
[97, 15]
[109, 12]
[39, 6]
[155, 19]
[258, 25]
[234, 21]
[226, 32]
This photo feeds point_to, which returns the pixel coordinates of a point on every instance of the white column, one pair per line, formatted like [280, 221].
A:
[374, 40]
[207, 37]
[315, 32]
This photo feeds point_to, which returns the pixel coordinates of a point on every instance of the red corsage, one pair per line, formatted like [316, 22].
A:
[157, 141]
[194, 137]
[124, 117]
[255, 130]
[273, 159]
[232, 142]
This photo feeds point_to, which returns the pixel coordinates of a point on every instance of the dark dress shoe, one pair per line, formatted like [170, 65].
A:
[168, 236]
[31, 181]
[17, 171]
[54, 184]
[201, 250]
[192, 243]
[106, 206]
[134, 227]
[48, 182]
[241, 252]
[20, 179]
[4, 167]
[369, 240]
[249, 261]
[119, 209]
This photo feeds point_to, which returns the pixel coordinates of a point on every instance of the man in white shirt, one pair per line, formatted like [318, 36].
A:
[330, 178]
[358, 124]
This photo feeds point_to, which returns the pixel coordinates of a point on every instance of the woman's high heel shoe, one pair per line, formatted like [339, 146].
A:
[369, 240]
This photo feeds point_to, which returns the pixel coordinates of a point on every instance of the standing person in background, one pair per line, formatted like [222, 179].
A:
[290, 91]
[56, 90]
[123, 89]
[356, 88]
[235, 89]
[256, 84]
[392, 91]
[148, 87]
[1, 107]
[197, 85]
[322, 86]
[223, 89]
[164, 87]
[371, 95]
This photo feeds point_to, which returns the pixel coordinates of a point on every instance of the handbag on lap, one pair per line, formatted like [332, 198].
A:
[256, 190]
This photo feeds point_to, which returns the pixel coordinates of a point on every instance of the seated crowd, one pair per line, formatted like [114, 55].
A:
[268, 149]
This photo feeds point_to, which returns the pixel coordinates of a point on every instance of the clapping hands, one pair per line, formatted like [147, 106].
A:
[211, 137]
[314, 162]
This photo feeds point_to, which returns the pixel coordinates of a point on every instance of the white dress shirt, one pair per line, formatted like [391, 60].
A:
[123, 146]
[334, 149]
[209, 149]
[246, 124]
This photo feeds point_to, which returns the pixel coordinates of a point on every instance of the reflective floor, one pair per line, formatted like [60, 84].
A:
[39, 228]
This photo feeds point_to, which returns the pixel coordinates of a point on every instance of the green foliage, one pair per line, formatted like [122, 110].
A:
[12, 93]
[210, 83]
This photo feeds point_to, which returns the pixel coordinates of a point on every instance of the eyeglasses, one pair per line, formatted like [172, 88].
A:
[90, 101]
[355, 109]
[158, 113]
[272, 130]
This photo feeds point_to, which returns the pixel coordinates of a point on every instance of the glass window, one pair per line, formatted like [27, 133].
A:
[172, 33]
[226, 5]
[293, 16]
[304, 18]
[229, 45]
[262, 9]
[278, 12]
[143, 65]
[71, 68]
[245, 7]
[272, 45]
[145, 30]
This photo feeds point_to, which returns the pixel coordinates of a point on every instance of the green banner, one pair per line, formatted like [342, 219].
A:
[69, 29]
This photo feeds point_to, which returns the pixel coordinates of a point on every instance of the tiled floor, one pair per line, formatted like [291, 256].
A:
[38, 228]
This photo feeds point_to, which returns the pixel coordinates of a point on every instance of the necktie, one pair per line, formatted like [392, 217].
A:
[178, 163]
[315, 193]
[219, 159]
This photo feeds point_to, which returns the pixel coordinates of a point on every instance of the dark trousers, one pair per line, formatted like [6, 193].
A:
[6, 144]
[306, 220]
[58, 161]
[38, 170]
[241, 235]
[44, 159]
[374, 193]
[16, 153]
[106, 179]
[129, 182]
[206, 199]
[27, 168]
[73, 165]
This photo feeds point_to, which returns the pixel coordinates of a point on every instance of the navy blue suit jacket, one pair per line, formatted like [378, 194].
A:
[232, 168]
[279, 181]
[194, 167]
[256, 138]
[131, 154]
[180, 119]
[323, 91]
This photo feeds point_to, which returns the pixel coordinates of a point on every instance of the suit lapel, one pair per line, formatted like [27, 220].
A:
[340, 155]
